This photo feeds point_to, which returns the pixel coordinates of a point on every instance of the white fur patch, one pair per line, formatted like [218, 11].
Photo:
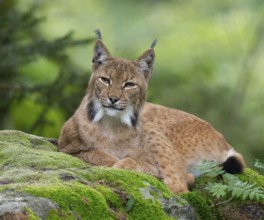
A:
[126, 116]
[112, 112]
[99, 111]
[195, 170]
[230, 153]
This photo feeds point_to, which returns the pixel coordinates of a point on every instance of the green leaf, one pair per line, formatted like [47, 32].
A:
[239, 193]
[209, 168]
[230, 179]
[246, 194]
[252, 195]
[130, 203]
[259, 165]
[240, 184]
[258, 196]
[218, 190]
[234, 192]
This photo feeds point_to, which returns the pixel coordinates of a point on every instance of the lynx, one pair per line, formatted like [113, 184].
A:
[115, 127]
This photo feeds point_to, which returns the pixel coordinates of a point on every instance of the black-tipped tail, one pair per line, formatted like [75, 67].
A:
[233, 165]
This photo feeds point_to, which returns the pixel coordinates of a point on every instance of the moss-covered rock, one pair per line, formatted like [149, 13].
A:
[228, 207]
[38, 182]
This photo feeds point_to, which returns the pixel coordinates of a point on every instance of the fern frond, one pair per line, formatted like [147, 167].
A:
[230, 178]
[231, 184]
[209, 168]
[259, 165]
[218, 190]
[245, 190]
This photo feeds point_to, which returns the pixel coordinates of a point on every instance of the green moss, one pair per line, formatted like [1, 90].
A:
[16, 175]
[62, 215]
[31, 215]
[113, 199]
[129, 183]
[74, 197]
[129, 180]
[31, 164]
[147, 211]
[15, 137]
[22, 150]
[21, 138]
[252, 176]
[200, 205]
[116, 199]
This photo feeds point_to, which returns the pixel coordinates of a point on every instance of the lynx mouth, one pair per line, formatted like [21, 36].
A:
[112, 107]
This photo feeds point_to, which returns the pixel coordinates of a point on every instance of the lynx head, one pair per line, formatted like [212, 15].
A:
[117, 87]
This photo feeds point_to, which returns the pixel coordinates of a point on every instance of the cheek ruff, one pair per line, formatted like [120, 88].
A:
[96, 111]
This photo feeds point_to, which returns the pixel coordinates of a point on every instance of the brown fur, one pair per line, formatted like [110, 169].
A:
[132, 134]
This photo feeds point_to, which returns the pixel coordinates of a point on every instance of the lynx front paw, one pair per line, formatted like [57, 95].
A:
[97, 157]
[128, 164]
[176, 186]
[179, 182]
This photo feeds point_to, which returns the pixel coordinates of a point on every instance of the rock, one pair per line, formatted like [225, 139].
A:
[12, 202]
[38, 182]
[175, 206]
[252, 211]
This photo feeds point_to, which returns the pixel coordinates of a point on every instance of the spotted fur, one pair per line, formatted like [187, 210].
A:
[115, 127]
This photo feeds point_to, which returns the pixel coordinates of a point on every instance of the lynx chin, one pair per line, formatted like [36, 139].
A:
[115, 127]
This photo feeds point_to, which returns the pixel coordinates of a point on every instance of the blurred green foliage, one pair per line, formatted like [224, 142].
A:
[36, 74]
[209, 60]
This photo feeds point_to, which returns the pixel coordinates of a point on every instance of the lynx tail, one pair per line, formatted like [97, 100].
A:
[234, 163]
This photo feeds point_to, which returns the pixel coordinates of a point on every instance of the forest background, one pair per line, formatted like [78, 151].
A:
[209, 60]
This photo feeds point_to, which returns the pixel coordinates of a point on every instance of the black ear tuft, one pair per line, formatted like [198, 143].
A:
[153, 44]
[98, 34]
[100, 53]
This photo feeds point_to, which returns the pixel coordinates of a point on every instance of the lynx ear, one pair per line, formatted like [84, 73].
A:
[100, 54]
[146, 61]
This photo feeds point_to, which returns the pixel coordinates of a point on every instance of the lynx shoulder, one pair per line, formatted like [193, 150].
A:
[115, 127]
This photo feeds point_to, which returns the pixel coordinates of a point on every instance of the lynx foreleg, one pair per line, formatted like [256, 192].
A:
[127, 163]
[97, 157]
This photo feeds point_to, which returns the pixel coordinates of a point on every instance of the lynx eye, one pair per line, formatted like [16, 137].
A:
[129, 85]
[105, 80]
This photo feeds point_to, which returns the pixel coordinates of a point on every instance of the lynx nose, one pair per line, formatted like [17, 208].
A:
[113, 99]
